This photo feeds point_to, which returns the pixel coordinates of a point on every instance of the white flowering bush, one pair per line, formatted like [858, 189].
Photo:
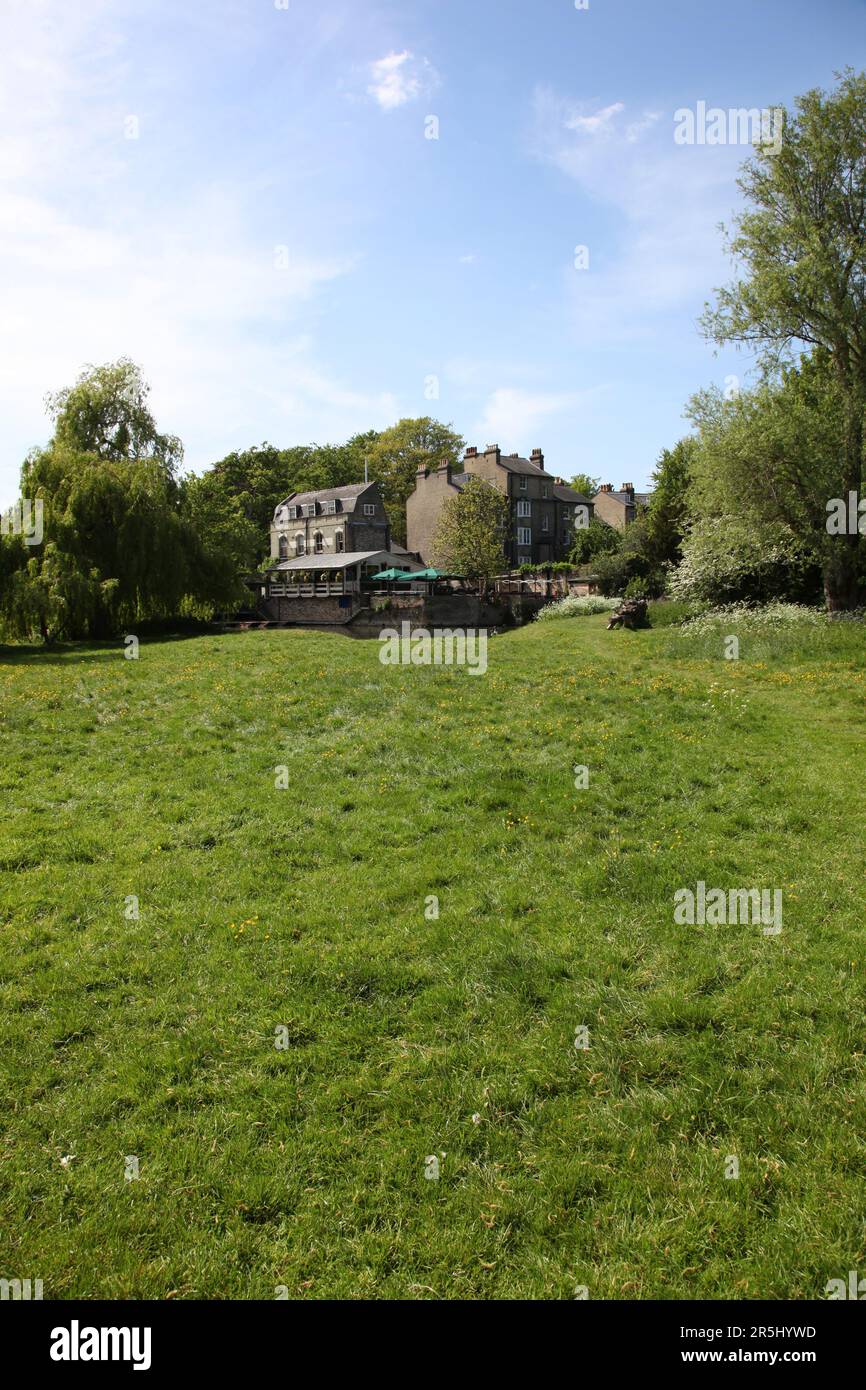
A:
[769, 617]
[575, 606]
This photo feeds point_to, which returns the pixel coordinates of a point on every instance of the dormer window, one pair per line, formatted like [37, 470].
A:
[310, 509]
[329, 507]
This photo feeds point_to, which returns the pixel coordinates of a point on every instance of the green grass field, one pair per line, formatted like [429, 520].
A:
[409, 1036]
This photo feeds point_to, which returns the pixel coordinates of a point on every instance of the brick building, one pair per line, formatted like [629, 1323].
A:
[543, 509]
[619, 509]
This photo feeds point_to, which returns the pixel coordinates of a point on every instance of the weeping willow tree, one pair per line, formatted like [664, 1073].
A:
[119, 545]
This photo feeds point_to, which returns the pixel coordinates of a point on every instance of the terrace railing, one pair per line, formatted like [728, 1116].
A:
[329, 590]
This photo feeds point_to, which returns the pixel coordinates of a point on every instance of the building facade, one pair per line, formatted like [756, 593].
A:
[619, 509]
[335, 521]
[544, 511]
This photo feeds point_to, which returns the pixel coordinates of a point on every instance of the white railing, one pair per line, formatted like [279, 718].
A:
[347, 586]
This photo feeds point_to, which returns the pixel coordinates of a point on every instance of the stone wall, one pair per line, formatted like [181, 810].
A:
[312, 611]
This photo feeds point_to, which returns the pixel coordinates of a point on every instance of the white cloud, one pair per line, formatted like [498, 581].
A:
[96, 261]
[599, 123]
[511, 413]
[399, 78]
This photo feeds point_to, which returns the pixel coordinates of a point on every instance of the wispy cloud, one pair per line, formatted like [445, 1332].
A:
[659, 204]
[511, 414]
[399, 78]
[596, 123]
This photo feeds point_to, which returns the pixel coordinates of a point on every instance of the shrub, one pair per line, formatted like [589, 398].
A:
[729, 559]
[575, 606]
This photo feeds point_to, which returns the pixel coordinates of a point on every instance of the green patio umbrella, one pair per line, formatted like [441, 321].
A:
[392, 575]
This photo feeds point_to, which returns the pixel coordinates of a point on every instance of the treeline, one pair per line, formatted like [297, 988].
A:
[127, 539]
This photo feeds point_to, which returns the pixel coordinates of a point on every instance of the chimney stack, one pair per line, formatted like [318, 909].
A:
[495, 450]
[471, 452]
[628, 489]
[537, 457]
[606, 487]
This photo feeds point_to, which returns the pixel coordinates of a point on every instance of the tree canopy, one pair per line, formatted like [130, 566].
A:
[800, 245]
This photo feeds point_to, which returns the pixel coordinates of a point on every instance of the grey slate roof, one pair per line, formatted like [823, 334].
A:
[570, 494]
[349, 493]
[515, 464]
[641, 499]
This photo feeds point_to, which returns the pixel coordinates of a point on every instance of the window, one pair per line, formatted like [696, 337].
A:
[310, 508]
[522, 484]
[544, 491]
[284, 548]
[369, 509]
[338, 541]
[545, 523]
[524, 535]
[524, 507]
[330, 507]
[523, 558]
[318, 542]
[300, 547]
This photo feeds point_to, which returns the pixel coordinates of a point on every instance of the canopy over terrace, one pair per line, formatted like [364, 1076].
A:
[317, 575]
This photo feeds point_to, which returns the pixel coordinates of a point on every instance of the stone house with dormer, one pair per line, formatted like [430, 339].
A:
[333, 521]
[543, 507]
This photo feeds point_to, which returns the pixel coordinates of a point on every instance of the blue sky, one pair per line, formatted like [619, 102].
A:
[240, 196]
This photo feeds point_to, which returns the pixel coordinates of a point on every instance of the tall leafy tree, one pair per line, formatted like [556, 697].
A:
[667, 512]
[106, 414]
[395, 455]
[471, 531]
[801, 247]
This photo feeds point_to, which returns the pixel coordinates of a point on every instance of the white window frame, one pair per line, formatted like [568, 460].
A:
[524, 535]
[524, 506]
[545, 523]
[369, 509]
[300, 543]
[523, 482]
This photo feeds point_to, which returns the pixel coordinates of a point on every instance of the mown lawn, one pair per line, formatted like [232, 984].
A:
[304, 1167]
